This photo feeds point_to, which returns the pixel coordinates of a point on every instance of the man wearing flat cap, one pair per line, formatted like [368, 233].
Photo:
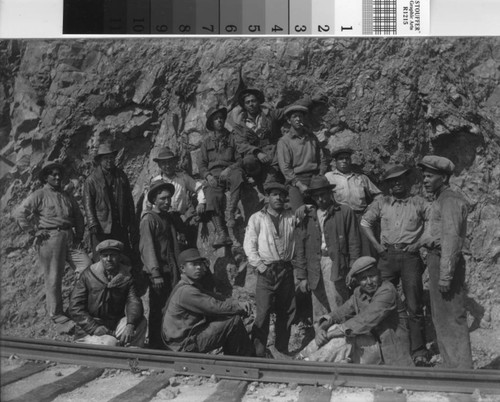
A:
[104, 300]
[185, 187]
[299, 155]
[269, 246]
[326, 245]
[368, 328]
[108, 203]
[218, 159]
[353, 189]
[444, 240]
[401, 219]
[159, 250]
[49, 215]
[197, 320]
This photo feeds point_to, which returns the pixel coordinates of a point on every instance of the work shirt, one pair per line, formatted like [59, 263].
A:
[322, 214]
[352, 189]
[190, 306]
[48, 208]
[263, 245]
[401, 220]
[447, 230]
[183, 184]
[298, 155]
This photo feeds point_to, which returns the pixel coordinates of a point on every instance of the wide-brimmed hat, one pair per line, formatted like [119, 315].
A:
[164, 154]
[50, 165]
[105, 149]
[319, 183]
[296, 108]
[190, 255]
[438, 163]
[109, 244]
[250, 91]
[341, 150]
[209, 115]
[394, 171]
[275, 186]
[251, 165]
[158, 186]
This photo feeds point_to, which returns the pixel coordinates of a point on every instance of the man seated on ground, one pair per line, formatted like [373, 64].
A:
[369, 328]
[104, 301]
[197, 320]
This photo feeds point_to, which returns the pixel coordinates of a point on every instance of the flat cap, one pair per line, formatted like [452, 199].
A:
[109, 244]
[341, 150]
[362, 264]
[50, 165]
[190, 254]
[211, 112]
[158, 186]
[275, 186]
[394, 171]
[164, 154]
[319, 182]
[296, 108]
[250, 91]
[438, 163]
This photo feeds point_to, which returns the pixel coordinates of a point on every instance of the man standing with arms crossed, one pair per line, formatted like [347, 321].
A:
[444, 240]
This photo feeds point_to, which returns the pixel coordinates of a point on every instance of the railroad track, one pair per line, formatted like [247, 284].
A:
[245, 370]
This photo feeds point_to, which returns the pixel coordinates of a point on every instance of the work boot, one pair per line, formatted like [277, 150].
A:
[221, 235]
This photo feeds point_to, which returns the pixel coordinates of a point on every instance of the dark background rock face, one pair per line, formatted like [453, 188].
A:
[394, 100]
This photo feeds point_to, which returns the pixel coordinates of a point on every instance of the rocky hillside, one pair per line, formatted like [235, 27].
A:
[394, 100]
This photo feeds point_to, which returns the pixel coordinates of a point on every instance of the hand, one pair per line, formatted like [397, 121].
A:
[302, 187]
[224, 174]
[380, 249]
[263, 157]
[158, 283]
[303, 286]
[246, 307]
[96, 229]
[321, 337]
[204, 233]
[444, 286]
[201, 208]
[212, 181]
[40, 237]
[101, 330]
[412, 248]
[301, 212]
[127, 335]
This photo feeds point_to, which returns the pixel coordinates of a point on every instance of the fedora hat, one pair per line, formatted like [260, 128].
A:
[158, 186]
[50, 165]
[105, 149]
[250, 91]
[211, 112]
[394, 171]
[319, 183]
[164, 154]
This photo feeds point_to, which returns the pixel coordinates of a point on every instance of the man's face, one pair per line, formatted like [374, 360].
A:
[54, 178]
[277, 200]
[251, 104]
[322, 198]
[343, 162]
[107, 162]
[433, 180]
[218, 121]
[398, 185]
[194, 270]
[168, 166]
[110, 259]
[296, 120]
[369, 280]
[163, 200]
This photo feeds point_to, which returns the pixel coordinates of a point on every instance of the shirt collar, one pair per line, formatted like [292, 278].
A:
[395, 200]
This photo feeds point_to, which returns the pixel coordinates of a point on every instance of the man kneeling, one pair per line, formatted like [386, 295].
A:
[369, 328]
[104, 303]
[197, 320]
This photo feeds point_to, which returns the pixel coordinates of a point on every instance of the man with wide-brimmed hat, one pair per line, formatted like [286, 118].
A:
[197, 320]
[49, 215]
[326, 245]
[220, 165]
[401, 218]
[185, 187]
[299, 155]
[369, 328]
[159, 250]
[104, 301]
[109, 206]
[269, 245]
[353, 189]
[447, 229]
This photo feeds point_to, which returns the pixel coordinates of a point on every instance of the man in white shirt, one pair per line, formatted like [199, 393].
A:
[269, 245]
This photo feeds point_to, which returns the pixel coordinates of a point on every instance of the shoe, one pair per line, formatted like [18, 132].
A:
[421, 361]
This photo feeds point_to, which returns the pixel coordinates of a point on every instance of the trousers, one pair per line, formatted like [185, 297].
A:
[157, 300]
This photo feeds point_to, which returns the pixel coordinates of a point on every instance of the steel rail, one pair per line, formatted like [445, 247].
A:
[256, 369]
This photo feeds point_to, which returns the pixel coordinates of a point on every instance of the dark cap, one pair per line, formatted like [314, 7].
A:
[158, 186]
[105, 149]
[275, 186]
[319, 182]
[164, 154]
[189, 255]
[341, 150]
[210, 113]
[296, 108]
[109, 244]
[50, 165]
[394, 171]
[250, 91]
[438, 163]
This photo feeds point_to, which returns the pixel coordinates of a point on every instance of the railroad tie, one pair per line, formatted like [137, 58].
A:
[316, 394]
[19, 373]
[147, 388]
[228, 391]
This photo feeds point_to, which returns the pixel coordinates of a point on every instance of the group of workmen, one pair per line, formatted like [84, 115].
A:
[330, 235]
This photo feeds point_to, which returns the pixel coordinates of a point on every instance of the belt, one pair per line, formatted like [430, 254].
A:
[397, 246]
[55, 228]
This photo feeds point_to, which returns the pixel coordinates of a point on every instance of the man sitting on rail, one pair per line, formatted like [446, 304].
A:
[197, 320]
[369, 328]
[104, 301]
